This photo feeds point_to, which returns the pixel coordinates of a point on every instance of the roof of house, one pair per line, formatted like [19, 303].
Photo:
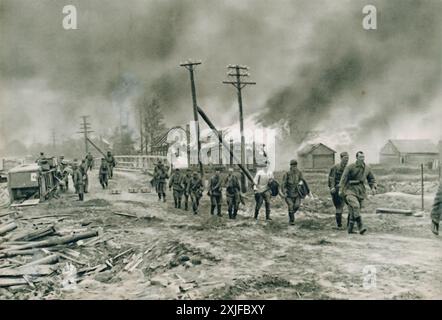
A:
[415, 146]
[308, 148]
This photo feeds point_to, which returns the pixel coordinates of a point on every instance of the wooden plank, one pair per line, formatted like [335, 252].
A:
[394, 211]
[46, 260]
[55, 241]
[9, 282]
[4, 228]
[39, 270]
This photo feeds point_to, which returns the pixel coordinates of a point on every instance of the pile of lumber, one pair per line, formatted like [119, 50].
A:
[27, 255]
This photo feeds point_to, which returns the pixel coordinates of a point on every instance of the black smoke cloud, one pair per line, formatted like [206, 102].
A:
[309, 58]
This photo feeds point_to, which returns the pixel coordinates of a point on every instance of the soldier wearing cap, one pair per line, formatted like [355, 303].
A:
[111, 163]
[103, 173]
[186, 180]
[89, 161]
[289, 189]
[195, 190]
[83, 169]
[334, 178]
[160, 176]
[78, 178]
[352, 189]
[233, 195]
[176, 182]
[436, 212]
[215, 193]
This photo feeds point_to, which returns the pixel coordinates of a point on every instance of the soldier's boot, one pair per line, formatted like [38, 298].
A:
[256, 214]
[350, 227]
[159, 196]
[164, 197]
[179, 203]
[348, 219]
[186, 205]
[81, 196]
[292, 218]
[435, 227]
[268, 216]
[339, 220]
[361, 227]
[219, 211]
[212, 209]
[175, 202]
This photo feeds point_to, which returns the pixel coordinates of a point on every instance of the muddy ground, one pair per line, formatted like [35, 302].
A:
[203, 257]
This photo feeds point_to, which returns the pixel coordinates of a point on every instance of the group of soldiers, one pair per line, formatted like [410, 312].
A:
[79, 172]
[346, 183]
[190, 185]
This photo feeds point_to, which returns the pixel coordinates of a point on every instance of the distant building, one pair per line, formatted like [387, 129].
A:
[409, 153]
[316, 156]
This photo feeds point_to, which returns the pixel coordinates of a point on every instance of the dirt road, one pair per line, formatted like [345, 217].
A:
[188, 256]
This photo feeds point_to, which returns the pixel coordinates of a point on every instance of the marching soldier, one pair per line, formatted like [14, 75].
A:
[160, 176]
[40, 158]
[195, 189]
[262, 190]
[290, 182]
[77, 176]
[334, 178]
[83, 169]
[233, 189]
[176, 182]
[215, 193]
[186, 181]
[89, 161]
[103, 173]
[111, 163]
[352, 189]
[436, 213]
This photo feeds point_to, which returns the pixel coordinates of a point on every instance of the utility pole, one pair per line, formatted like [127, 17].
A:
[189, 65]
[85, 129]
[238, 73]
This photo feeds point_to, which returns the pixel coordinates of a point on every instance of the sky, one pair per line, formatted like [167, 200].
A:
[317, 70]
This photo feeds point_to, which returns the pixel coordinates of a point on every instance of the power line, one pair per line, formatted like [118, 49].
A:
[190, 66]
[85, 129]
[238, 72]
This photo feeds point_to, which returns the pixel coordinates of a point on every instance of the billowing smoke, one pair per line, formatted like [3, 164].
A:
[366, 86]
[315, 67]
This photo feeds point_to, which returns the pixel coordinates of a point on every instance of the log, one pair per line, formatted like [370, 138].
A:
[125, 214]
[7, 227]
[394, 211]
[29, 252]
[34, 235]
[9, 282]
[38, 270]
[46, 260]
[55, 242]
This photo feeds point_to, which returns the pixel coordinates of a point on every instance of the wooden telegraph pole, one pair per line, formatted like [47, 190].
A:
[238, 72]
[189, 65]
[85, 129]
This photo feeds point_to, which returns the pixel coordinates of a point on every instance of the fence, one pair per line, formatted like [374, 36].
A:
[138, 163]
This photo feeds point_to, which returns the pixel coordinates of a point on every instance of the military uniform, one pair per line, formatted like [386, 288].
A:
[215, 194]
[352, 189]
[195, 190]
[160, 176]
[103, 174]
[83, 169]
[334, 179]
[436, 212]
[89, 161]
[111, 163]
[176, 182]
[233, 189]
[78, 178]
[289, 188]
[186, 181]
